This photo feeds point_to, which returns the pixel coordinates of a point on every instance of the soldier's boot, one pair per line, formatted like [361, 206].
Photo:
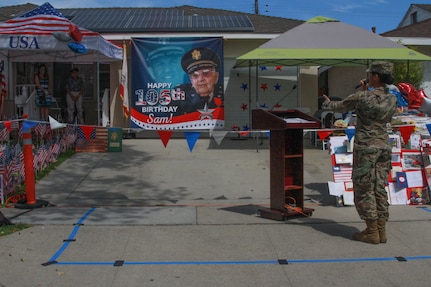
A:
[370, 234]
[381, 222]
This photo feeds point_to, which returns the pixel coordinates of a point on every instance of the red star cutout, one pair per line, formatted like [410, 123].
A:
[278, 68]
[277, 105]
[264, 86]
[244, 107]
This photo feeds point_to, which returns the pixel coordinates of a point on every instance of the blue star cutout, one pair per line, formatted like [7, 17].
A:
[245, 128]
[244, 86]
[264, 106]
[263, 68]
[277, 87]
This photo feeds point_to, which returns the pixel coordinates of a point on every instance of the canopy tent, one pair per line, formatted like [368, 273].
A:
[45, 35]
[323, 41]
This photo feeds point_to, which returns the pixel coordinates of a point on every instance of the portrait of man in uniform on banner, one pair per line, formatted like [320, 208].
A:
[204, 90]
[177, 83]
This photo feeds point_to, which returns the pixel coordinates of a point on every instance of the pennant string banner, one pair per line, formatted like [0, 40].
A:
[219, 136]
[87, 130]
[165, 136]
[191, 138]
[7, 124]
[429, 128]
[324, 134]
[350, 133]
[406, 132]
[28, 125]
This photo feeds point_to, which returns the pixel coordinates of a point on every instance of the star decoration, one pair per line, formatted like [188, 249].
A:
[244, 86]
[278, 68]
[244, 107]
[264, 106]
[206, 113]
[262, 68]
[245, 128]
[235, 128]
[264, 86]
[277, 105]
[277, 87]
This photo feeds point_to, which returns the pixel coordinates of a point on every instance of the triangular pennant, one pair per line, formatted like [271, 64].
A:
[87, 130]
[324, 134]
[350, 133]
[28, 125]
[191, 138]
[406, 131]
[165, 136]
[243, 133]
[7, 124]
[219, 136]
[55, 124]
[268, 133]
[429, 128]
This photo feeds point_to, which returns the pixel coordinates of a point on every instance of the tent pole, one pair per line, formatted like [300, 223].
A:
[98, 90]
[249, 93]
[257, 88]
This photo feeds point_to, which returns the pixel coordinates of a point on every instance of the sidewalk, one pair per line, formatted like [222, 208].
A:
[171, 217]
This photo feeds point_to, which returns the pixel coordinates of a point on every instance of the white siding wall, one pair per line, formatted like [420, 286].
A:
[421, 16]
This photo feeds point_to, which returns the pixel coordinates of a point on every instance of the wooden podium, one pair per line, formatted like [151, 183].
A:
[286, 160]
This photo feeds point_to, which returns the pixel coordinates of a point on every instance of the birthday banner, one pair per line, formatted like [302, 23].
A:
[177, 83]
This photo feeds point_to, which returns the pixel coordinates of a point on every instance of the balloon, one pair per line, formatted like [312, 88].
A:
[62, 36]
[415, 97]
[77, 48]
[75, 33]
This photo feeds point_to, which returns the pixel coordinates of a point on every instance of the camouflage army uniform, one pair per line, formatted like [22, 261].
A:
[372, 152]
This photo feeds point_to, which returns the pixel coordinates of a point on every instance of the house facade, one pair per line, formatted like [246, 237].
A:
[414, 30]
[244, 88]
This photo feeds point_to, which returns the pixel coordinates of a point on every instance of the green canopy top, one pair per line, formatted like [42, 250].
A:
[323, 41]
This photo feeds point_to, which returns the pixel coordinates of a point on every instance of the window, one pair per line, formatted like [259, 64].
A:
[413, 18]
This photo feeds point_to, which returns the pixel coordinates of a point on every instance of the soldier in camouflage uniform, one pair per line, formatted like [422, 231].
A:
[374, 107]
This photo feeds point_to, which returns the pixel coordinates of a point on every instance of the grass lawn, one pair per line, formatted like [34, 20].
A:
[8, 229]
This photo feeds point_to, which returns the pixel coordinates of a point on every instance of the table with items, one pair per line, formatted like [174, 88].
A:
[410, 177]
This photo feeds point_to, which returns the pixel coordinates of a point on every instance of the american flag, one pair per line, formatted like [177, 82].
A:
[14, 125]
[342, 173]
[40, 130]
[3, 91]
[71, 136]
[55, 150]
[4, 134]
[43, 20]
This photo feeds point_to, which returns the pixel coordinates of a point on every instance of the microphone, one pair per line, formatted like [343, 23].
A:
[360, 85]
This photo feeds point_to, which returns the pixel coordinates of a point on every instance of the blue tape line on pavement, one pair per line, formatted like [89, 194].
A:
[86, 263]
[203, 262]
[72, 235]
[251, 262]
[86, 215]
[341, 260]
[427, 209]
[175, 262]
[417, 257]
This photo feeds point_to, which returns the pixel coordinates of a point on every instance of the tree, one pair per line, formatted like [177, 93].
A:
[410, 72]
